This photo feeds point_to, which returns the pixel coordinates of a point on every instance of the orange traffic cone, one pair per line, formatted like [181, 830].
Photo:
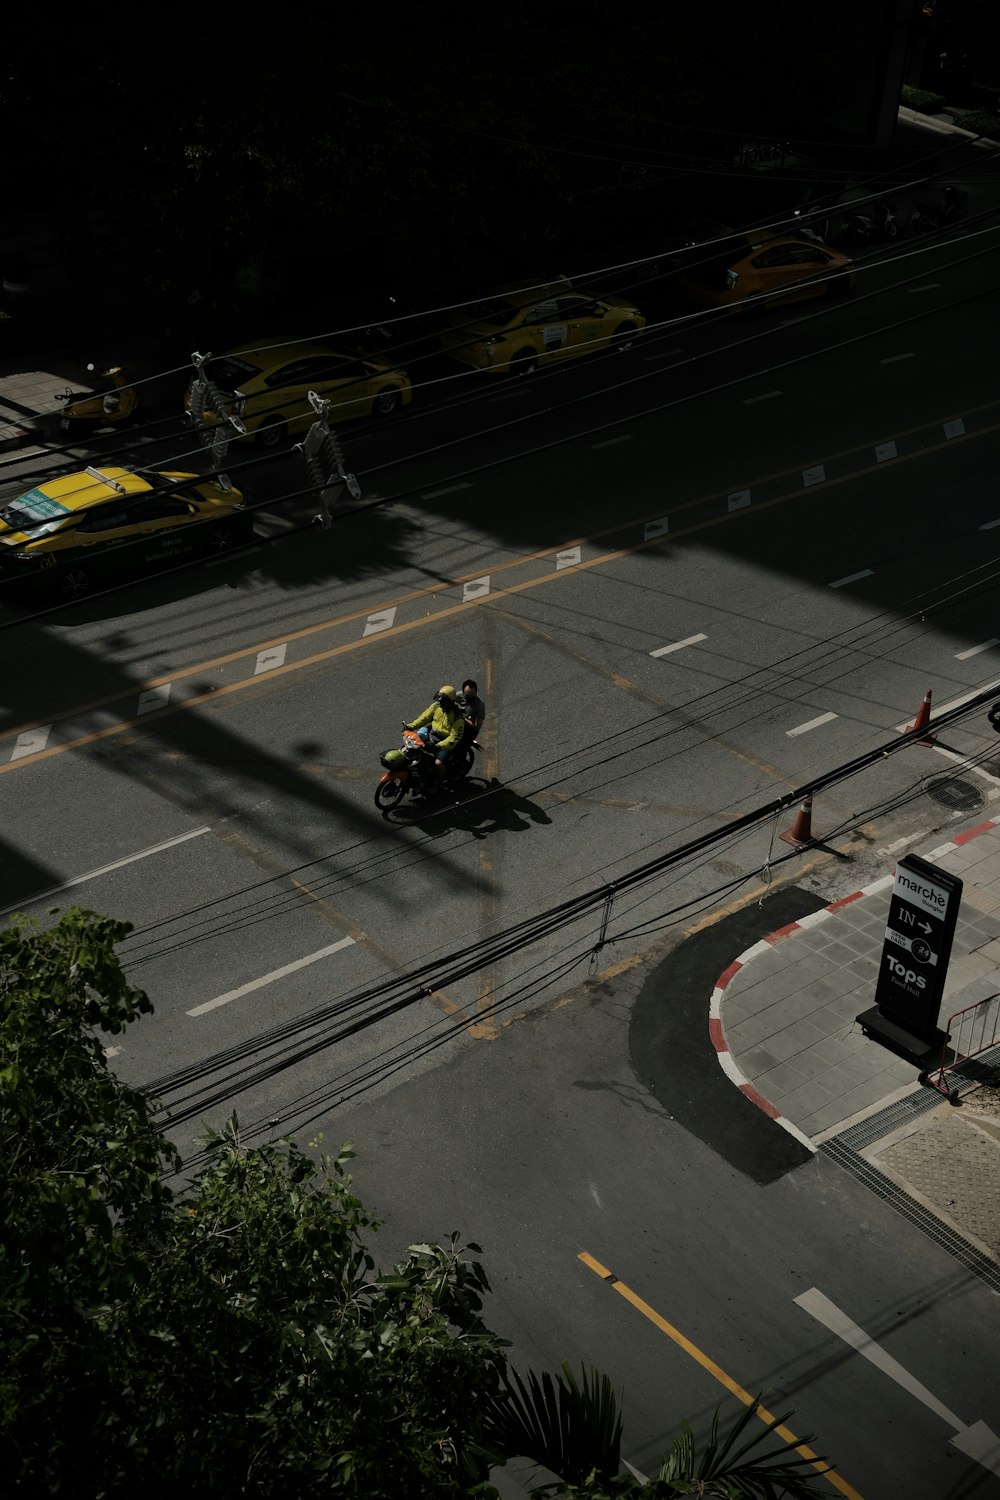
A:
[922, 721]
[801, 830]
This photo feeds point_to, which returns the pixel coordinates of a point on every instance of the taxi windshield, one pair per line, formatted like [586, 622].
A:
[227, 371]
[491, 311]
[31, 510]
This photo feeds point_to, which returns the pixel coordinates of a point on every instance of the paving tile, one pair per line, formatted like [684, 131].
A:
[747, 1032]
[781, 1080]
[833, 1050]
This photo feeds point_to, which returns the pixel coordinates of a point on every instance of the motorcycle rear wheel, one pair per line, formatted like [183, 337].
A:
[389, 794]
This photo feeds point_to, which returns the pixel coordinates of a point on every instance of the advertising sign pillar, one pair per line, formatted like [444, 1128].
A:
[923, 912]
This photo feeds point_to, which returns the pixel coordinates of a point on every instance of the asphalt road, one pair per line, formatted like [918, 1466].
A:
[687, 579]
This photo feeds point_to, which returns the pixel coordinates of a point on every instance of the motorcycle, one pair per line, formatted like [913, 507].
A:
[410, 769]
[877, 222]
[927, 217]
[86, 410]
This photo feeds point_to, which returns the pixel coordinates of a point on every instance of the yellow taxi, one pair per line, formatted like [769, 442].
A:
[267, 383]
[516, 328]
[75, 531]
[752, 269]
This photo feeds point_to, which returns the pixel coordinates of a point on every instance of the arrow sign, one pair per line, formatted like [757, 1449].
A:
[976, 1441]
[925, 927]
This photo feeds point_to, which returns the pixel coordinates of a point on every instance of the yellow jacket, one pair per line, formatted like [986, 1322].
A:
[447, 724]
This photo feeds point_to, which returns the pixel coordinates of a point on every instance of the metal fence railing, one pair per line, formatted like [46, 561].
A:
[969, 1032]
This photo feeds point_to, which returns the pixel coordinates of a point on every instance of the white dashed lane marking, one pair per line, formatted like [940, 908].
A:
[928, 286]
[448, 489]
[267, 660]
[839, 583]
[382, 619]
[739, 500]
[691, 640]
[810, 724]
[989, 525]
[955, 428]
[475, 588]
[30, 741]
[116, 864]
[256, 984]
[885, 450]
[815, 475]
[767, 396]
[892, 359]
[625, 437]
[976, 650]
[662, 354]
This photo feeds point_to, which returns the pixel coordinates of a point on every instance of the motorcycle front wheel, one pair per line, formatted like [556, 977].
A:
[389, 793]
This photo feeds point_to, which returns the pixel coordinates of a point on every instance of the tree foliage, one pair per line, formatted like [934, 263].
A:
[572, 1428]
[234, 1338]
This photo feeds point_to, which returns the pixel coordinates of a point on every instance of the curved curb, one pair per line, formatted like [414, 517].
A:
[716, 1030]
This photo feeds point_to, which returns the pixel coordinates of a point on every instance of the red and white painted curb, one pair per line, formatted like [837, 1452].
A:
[716, 1029]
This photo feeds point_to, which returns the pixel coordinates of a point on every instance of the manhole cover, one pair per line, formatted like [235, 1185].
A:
[955, 794]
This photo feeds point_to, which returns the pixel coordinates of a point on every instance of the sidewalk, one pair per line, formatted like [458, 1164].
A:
[783, 1020]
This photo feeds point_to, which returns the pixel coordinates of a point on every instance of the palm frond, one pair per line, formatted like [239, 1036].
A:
[570, 1427]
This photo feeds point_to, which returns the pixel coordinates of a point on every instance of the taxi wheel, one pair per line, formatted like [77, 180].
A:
[524, 363]
[623, 337]
[221, 538]
[272, 431]
[387, 401]
[75, 582]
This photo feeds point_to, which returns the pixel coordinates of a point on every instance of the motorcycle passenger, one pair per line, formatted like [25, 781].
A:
[441, 727]
[473, 708]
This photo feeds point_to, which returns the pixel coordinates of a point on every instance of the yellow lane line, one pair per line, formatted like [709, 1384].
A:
[715, 1371]
[459, 608]
[499, 567]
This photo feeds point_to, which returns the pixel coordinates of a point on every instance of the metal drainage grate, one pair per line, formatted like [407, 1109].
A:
[844, 1149]
[955, 794]
[934, 1228]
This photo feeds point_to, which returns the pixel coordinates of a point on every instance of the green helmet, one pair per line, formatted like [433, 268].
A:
[445, 694]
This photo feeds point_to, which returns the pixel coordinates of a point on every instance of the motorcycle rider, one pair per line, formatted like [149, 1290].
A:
[441, 726]
[473, 708]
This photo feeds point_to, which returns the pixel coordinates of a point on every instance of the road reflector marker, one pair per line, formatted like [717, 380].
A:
[382, 619]
[815, 475]
[885, 450]
[273, 657]
[154, 698]
[739, 500]
[30, 741]
[656, 528]
[954, 428]
[567, 559]
[476, 587]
